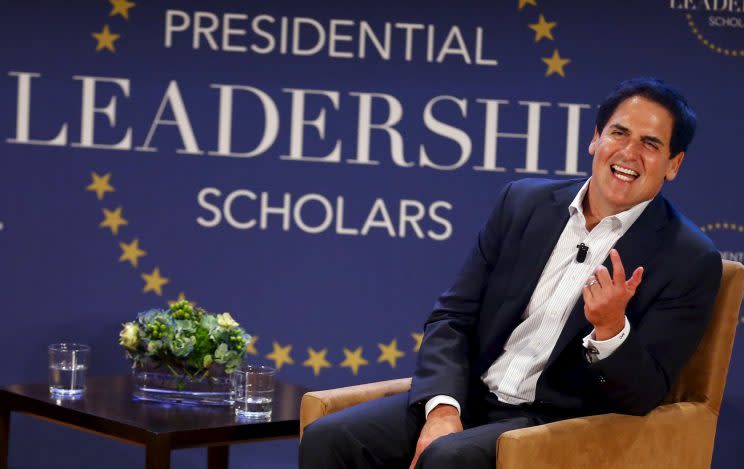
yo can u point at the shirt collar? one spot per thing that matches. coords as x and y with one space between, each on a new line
623 219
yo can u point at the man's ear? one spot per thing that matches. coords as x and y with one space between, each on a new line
674 164
593 144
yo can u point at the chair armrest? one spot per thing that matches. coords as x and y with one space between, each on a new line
316 404
676 436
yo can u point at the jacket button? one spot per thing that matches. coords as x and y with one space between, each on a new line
601 379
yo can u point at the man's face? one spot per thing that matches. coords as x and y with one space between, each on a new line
631 157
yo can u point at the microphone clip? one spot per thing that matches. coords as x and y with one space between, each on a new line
581 255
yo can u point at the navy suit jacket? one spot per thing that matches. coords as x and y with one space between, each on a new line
668 314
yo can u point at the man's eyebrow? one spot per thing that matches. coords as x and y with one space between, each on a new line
652 139
645 138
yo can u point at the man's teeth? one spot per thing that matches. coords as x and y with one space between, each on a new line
624 174
623 177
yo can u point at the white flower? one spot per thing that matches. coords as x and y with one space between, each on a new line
226 321
129 336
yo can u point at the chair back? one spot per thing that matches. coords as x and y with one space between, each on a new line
704 376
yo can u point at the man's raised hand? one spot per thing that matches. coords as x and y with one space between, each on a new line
605 297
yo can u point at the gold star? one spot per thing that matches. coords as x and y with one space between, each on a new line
121 7
522 3
181 297
353 360
131 252
556 64
105 39
113 220
154 282
418 337
250 347
280 355
100 185
316 360
543 28
390 353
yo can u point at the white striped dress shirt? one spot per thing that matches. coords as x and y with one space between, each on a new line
513 376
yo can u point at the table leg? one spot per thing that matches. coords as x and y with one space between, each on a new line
157 454
218 457
4 437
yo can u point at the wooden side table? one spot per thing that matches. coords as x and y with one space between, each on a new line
107 408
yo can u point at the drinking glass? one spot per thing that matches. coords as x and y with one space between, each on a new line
68 364
253 391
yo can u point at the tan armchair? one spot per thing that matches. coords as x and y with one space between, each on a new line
677 434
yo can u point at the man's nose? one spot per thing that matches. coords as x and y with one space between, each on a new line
632 148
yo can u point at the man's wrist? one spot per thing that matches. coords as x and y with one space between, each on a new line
440 399
443 410
601 349
608 332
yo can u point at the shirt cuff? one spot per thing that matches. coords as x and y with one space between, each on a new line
440 399
600 349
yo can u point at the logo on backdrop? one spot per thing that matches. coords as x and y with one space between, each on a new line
729 237
717 24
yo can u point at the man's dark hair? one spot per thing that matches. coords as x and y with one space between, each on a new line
655 90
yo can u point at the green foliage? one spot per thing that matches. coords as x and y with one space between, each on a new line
185 339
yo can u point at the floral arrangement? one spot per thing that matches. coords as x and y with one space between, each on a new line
186 340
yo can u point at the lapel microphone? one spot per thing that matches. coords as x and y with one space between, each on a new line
581 255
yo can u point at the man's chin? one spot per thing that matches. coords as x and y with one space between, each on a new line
620 202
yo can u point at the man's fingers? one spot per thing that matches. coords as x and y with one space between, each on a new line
635 280
618 271
603 276
420 447
415 460
586 292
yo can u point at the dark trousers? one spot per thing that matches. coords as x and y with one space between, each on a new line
383 434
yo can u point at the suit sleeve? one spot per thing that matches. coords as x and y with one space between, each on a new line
444 358
639 374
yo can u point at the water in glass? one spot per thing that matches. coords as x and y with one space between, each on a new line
66 380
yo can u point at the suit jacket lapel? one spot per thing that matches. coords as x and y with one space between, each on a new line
538 240
636 246
641 240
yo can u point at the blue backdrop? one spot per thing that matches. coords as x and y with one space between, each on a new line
319 171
